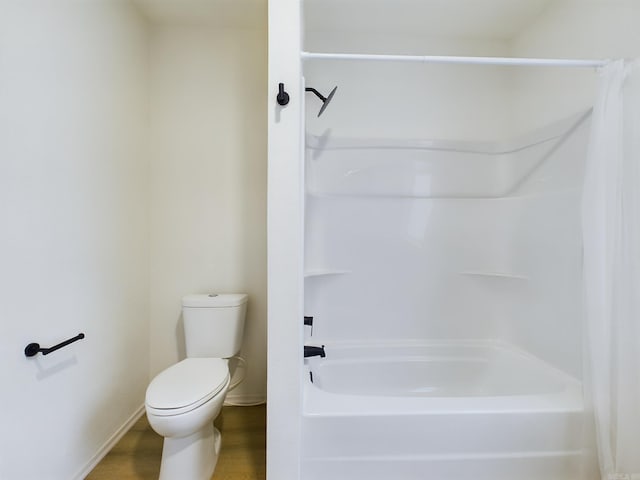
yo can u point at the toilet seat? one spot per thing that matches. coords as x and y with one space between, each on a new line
186 385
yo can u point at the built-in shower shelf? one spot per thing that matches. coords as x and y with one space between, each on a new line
502 275
324 272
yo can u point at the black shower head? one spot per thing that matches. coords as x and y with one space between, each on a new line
325 100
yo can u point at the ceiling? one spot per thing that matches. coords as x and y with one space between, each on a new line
217 13
487 19
490 19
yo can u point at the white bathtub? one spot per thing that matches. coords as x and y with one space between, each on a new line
440 411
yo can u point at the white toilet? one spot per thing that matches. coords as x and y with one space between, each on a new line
183 400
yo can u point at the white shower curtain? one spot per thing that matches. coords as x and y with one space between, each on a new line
611 231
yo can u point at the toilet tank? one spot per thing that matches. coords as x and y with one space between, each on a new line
214 324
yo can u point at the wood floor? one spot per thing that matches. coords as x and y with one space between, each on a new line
242 456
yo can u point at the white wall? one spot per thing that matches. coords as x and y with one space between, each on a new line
598 29
73 210
407 100
83 213
208 184
285 243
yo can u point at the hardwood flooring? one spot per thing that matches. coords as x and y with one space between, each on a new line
242 456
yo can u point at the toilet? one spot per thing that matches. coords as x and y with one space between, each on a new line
183 400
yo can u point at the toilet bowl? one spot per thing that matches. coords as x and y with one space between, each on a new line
181 404
182 401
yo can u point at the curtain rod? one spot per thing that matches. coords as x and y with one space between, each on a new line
515 62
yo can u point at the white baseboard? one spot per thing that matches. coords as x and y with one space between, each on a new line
110 443
245 399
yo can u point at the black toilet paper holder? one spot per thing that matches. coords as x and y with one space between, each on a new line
34 348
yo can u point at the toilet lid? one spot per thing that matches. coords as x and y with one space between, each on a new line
188 382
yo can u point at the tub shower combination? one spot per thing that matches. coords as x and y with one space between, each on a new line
460 410
434 274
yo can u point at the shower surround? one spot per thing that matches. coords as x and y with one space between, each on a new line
435 272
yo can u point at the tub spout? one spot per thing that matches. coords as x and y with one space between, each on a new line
314 351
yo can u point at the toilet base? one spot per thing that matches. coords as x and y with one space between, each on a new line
191 458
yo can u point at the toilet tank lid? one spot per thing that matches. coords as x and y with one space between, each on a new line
214 300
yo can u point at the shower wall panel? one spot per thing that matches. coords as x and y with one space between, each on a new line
393 268
546 248
430 240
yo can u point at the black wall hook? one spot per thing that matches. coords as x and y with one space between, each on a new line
283 97
34 348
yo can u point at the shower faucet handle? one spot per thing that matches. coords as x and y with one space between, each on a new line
308 322
311 351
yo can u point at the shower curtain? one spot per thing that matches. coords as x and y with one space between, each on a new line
611 235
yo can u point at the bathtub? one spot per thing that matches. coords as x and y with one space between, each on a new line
440 411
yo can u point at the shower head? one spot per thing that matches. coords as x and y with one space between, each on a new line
325 100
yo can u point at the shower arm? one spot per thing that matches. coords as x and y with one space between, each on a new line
317 93
325 100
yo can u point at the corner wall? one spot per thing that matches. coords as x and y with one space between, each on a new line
208 185
592 29
73 252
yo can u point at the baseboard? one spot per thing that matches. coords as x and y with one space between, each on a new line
245 399
110 443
